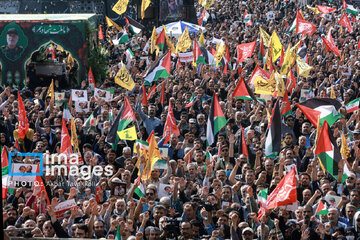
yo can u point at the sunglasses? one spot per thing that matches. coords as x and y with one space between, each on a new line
149 194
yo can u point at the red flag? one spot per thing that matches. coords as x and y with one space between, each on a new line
151 92
291 82
284 193
345 22
345 6
170 124
91 78
17 145
101 35
332 44
162 97
23 120
304 27
243 145
40 183
358 46
258 71
65 140
325 9
178 65
245 51
281 57
213 51
97 197
144 100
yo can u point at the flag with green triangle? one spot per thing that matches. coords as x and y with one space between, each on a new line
327 150
216 120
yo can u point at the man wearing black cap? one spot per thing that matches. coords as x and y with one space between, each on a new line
11 50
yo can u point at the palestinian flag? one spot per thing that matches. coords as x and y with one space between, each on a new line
203 17
160 41
216 121
159 69
327 150
4 172
287 109
129 55
133 25
89 121
242 91
350 8
326 108
292 27
243 149
352 106
273 133
262 51
140 190
66 113
122 120
210 157
144 99
192 100
247 18
202 55
321 209
123 37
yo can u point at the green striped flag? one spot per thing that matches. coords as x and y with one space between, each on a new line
216 121
140 190
118 235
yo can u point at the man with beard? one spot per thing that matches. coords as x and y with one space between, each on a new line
12 216
150 122
99 229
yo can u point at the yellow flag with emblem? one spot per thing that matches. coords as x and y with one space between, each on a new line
276 46
206 3
220 52
202 39
124 79
169 43
111 23
50 92
74 138
265 37
153 39
344 149
153 155
121 6
144 5
332 93
266 87
128 134
303 68
280 86
184 41
287 62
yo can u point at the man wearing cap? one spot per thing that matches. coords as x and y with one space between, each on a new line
11 50
248 234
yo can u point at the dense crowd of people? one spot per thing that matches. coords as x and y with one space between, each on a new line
197 197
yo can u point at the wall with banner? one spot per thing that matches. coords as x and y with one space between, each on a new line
23 35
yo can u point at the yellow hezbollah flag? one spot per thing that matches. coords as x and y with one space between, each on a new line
266 87
74 138
202 39
206 3
184 42
124 79
121 6
128 134
344 149
314 9
153 39
280 86
287 62
265 37
276 46
153 156
303 68
111 23
144 5
169 43
50 92
220 52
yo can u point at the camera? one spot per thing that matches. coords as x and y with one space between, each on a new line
172 228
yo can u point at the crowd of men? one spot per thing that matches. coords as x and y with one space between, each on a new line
203 198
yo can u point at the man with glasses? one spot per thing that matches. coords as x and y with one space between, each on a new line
248 234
